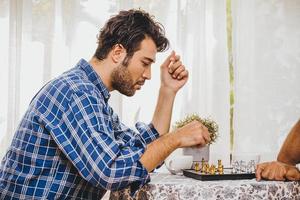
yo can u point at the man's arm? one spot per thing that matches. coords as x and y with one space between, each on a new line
290 150
191 134
162 116
173 77
289 155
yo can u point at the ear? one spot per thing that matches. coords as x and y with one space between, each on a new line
118 53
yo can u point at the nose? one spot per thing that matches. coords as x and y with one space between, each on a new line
147 73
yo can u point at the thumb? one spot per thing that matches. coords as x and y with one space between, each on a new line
293 174
168 60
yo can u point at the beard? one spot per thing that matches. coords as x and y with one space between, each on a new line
122 81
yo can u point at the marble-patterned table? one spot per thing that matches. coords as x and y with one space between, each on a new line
167 186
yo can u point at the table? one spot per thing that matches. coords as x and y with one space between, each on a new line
167 186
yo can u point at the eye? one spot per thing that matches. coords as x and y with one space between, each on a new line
145 64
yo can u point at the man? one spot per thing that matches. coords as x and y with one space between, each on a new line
71 145
285 166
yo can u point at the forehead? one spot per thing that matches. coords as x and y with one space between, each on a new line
147 49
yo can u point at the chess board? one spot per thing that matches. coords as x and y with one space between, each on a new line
209 177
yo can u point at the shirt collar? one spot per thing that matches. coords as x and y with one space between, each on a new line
94 78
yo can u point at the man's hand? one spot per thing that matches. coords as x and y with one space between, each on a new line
173 73
277 171
192 134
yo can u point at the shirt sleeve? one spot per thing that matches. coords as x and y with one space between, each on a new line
85 135
147 132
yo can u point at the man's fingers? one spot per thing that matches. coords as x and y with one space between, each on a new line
178 71
265 173
206 134
279 177
175 57
276 171
258 173
259 170
183 75
280 174
174 65
271 175
168 60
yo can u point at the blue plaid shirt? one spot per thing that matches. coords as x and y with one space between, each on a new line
71 145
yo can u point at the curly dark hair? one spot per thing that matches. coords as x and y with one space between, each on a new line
129 28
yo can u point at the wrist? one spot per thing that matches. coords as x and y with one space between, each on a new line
284 160
164 90
173 140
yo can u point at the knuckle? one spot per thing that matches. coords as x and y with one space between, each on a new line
194 123
197 122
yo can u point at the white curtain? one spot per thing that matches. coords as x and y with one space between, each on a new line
41 38
267 70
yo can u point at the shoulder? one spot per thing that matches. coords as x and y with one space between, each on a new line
76 81
60 91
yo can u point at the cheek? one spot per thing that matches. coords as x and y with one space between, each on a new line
136 72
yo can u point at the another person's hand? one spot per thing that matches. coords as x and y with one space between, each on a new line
192 134
293 174
173 73
277 171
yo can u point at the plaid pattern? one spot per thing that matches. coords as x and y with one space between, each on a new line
71 145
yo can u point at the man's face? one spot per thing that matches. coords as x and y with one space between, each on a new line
129 78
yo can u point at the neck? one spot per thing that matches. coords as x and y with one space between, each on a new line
104 69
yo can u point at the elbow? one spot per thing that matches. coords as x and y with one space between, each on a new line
112 180
120 178
106 178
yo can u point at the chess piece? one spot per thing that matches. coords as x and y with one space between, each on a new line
202 165
212 169
235 167
220 168
207 168
252 166
197 167
242 167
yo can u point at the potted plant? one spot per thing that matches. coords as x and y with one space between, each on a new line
213 128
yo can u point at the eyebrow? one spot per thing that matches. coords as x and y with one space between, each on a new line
149 59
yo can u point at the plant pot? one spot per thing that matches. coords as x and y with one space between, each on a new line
197 153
